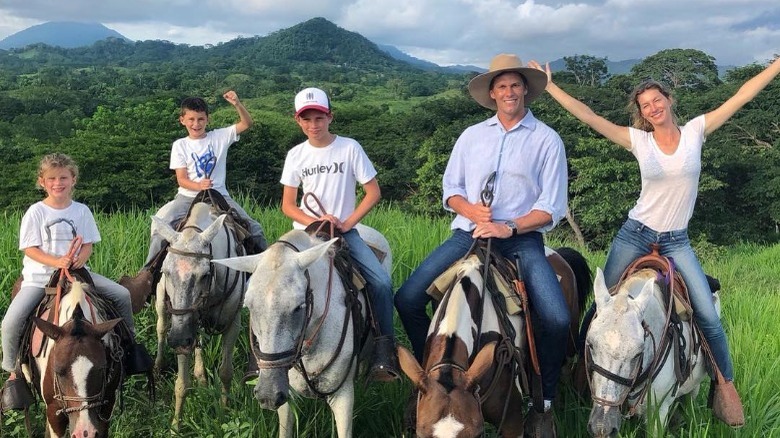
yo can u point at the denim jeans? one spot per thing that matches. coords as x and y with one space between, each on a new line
380 285
633 241
549 311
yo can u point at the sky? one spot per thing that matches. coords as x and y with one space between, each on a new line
446 32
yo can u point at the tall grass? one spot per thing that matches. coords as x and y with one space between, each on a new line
749 274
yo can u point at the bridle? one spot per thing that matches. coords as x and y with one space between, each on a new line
93 401
294 355
632 382
202 297
285 359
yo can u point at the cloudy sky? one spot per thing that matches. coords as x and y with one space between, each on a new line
735 32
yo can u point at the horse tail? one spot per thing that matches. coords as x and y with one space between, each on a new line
582 273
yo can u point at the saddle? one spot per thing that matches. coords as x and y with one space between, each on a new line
670 278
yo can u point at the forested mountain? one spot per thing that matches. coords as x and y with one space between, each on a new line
113 106
61 34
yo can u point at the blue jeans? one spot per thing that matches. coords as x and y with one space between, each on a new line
549 311
633 241
380 285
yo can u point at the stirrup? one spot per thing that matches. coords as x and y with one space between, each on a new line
16 395
137 360
384 364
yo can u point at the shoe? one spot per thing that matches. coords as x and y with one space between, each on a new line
252 371
137 360
16 395
725 403
384 364
540 424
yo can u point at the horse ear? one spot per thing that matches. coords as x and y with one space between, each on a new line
480 365
600 291
645 295
411 368
243 263
165 229
208 234
314 253
49 329
101 329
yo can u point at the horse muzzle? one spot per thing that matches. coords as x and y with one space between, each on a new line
604 421
272 388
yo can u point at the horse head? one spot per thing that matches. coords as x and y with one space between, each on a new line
617 347
80 376
456 368
448 404
188 274
281 303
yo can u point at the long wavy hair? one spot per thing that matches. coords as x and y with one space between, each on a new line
637 120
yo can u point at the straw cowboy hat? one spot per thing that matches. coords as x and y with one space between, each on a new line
479 87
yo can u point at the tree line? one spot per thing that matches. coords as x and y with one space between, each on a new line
113 106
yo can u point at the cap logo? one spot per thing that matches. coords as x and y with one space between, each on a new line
309 96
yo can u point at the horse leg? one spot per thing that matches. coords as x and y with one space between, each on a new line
199 368
182 383
226 368
342 403
159 306
286 421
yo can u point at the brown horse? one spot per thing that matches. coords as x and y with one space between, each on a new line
461 384
78 373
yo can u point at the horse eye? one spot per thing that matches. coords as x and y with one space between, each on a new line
299 308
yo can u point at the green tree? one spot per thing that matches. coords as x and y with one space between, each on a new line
684 69
587 70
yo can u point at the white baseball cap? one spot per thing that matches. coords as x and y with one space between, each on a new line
311 98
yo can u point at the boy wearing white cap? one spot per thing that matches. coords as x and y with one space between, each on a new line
330 166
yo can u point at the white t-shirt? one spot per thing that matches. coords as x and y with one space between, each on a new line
330 173
52 230
670 183
197 156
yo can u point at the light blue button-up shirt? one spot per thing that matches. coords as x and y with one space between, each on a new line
530 165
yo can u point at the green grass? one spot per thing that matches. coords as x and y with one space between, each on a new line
749 274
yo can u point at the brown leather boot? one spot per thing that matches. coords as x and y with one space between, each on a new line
725 403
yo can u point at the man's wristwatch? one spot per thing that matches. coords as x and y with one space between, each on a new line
512 226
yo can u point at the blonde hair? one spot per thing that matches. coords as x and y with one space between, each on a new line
57 160
637 120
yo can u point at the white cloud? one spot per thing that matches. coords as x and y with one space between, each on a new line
447 31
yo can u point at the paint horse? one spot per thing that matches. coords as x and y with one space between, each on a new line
631 349
460 385
79 371
306 328
194 294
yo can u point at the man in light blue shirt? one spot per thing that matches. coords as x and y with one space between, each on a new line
521 162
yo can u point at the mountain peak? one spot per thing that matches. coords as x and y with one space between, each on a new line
66 34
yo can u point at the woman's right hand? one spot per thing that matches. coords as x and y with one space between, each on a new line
536 65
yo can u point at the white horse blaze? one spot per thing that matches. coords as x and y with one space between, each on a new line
80 371
447 427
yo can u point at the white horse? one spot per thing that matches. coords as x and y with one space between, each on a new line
625 353
296 343
195 294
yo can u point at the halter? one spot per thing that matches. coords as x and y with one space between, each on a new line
196 306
